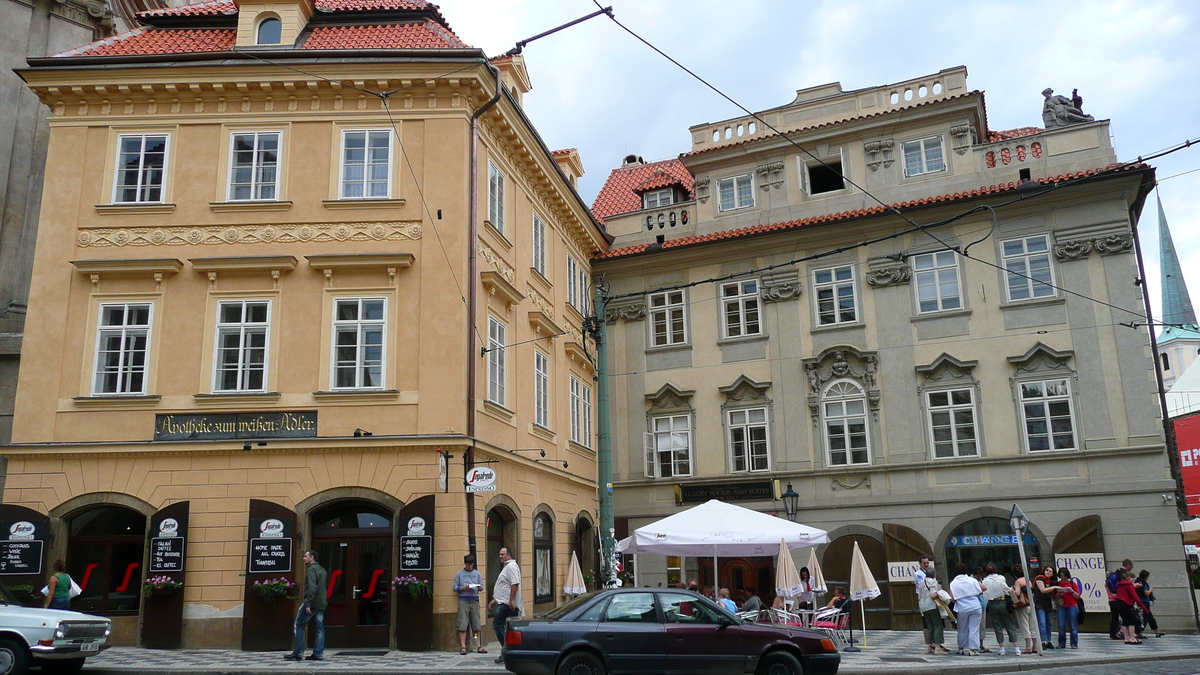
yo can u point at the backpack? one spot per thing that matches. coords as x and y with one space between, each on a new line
1110 582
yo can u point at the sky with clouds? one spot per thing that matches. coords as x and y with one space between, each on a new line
596 88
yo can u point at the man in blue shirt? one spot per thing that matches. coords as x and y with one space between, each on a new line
467 584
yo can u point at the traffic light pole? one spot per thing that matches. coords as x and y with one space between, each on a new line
608 544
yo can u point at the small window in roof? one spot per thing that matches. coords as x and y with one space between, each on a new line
270 31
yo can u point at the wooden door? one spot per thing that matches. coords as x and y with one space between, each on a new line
904 544
359 590
1081 536
836 566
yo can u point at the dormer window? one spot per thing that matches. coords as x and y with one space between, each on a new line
657 198
270 31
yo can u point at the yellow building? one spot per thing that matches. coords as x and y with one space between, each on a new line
299 266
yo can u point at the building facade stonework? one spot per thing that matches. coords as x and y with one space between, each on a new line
254 289
907 318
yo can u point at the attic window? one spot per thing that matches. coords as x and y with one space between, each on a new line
657 198
825 177
270 31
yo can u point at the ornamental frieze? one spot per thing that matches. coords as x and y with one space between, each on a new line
1072 250
247 234
539 301
1079 249
781 285
889 276
489 254
1117 243
631 309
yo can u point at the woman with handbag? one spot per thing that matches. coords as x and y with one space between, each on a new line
58 589
1068 612
1044 588
1023 610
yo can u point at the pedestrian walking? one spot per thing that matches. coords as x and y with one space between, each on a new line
467 583
506 596
1068 611
931 615
1023 610
1044 588
58 588
1127 601
312 609
1146 595
998 596
966 590
979 574
1110 587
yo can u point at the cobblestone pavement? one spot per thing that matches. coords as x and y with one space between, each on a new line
883 651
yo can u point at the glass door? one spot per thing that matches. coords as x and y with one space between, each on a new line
359 591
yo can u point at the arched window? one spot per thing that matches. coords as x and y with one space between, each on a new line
270 31
844 408
543 554
104 556
989 540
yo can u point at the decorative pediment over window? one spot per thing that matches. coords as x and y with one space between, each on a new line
746 390
842 362
668 398
1042 358
946 368
626 309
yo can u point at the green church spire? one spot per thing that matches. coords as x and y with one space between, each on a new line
1176 303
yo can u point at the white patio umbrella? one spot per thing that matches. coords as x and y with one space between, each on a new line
862 587
787 579
814 573
1191 531
574 585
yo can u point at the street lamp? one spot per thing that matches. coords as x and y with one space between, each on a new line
790 502
1020 525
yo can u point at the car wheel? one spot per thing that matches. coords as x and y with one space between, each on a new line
580 663
14 658
779 663
63 667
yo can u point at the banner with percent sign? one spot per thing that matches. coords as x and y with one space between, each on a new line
1089 569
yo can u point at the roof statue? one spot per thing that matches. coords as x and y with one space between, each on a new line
1176 303
1060 111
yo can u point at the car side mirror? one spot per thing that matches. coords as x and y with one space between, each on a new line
725 621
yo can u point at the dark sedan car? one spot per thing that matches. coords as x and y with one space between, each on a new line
643 630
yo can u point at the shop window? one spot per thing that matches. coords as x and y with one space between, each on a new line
104 554
989 540
543 559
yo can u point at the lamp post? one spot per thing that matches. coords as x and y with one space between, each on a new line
790 502
1020 525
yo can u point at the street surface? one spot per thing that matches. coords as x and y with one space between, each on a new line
884 652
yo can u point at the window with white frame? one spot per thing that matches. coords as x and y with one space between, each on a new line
1047 413
844 408
820 177
739 300
1027 268
141 169
735 192
952 423
496 368
833 289
937 281
270 31
581 413
496 197
366 164
657 198
669 446
749 444
359 327
254 166
241 363
923 156
578 283
122 348
668 319
539 245
541 389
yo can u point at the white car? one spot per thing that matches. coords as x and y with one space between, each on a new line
58 640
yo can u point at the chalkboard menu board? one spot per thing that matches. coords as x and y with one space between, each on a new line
168 541
22 546
166 554
416 553
271 545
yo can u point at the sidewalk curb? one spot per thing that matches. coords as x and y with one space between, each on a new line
957 667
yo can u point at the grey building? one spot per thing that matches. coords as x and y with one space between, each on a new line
909 319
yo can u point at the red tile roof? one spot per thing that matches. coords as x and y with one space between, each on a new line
849 215
822 125
225 7
660 179
156 41
1009 134
564 151
428 35
618 196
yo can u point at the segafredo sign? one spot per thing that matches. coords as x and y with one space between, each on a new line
22 530
481 479
271 528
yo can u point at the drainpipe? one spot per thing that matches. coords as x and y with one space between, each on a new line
473 299
1168 425
604 441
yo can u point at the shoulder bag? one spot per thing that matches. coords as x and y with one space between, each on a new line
1022 601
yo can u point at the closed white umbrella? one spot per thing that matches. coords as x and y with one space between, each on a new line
815 573
574 584
862 587
787 579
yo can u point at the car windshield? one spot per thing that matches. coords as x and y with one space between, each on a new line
6 596
569 606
